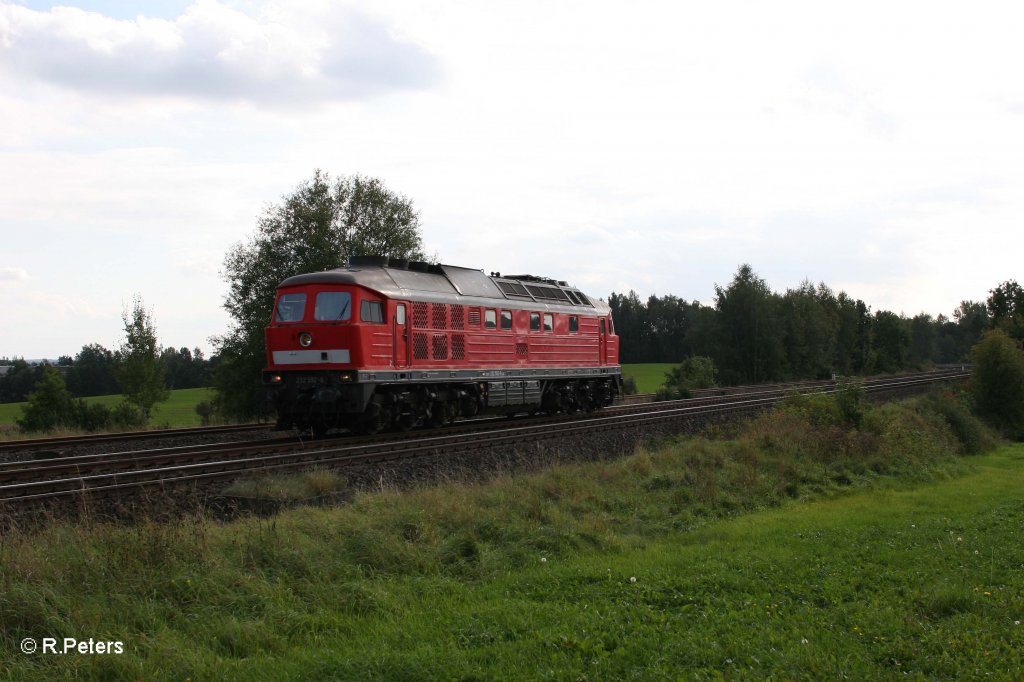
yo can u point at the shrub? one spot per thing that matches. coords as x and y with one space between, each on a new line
694 372
971 433
849 398
50 406
207 412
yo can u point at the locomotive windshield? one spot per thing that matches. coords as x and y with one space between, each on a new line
290 308
333 305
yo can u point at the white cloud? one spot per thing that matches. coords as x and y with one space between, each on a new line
216 52
13 275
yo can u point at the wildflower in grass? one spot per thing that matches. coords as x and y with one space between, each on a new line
959 539
1016 622
632 579
803 640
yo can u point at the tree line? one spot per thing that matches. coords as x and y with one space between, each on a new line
93 371
754 334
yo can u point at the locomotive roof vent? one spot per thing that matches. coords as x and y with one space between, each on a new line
419 266
367 261
398 263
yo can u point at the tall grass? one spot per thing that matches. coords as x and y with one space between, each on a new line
198 597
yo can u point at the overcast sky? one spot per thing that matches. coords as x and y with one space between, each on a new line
655 146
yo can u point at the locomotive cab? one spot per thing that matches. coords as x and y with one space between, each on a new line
317 336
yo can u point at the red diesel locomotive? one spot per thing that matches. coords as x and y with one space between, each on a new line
387 344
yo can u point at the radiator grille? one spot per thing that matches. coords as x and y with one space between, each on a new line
419 315
419 346
439 344
458 347
439 317
457 317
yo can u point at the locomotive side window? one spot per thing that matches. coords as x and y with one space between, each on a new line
574 324
333 305
506 319
371 311
490 319
290 308
602 326
400 314
549 322
534 322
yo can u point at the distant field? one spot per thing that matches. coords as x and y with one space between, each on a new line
649 376
179 410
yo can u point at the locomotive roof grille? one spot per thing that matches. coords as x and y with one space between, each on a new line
513 289
548 293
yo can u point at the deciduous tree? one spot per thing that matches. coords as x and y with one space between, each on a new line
316 227
140 372
1006 308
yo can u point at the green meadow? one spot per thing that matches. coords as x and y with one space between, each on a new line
649 376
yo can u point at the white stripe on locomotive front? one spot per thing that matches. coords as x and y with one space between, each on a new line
311 357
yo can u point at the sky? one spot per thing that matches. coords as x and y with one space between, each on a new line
655 146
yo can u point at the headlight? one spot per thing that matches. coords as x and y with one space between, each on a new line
275 378
305 339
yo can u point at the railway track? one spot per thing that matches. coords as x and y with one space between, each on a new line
29 444
25 483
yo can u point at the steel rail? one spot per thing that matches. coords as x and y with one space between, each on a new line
99 438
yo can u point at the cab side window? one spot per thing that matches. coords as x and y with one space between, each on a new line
574 324
371 311
549 322
534 322
506 319
490 319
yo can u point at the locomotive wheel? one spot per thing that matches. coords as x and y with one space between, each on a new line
436 418
405 421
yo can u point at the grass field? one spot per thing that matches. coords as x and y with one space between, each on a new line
649 376
179 410
785 552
